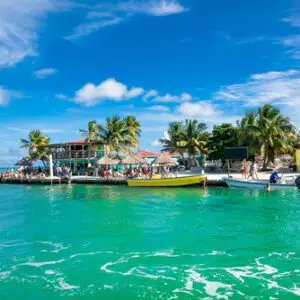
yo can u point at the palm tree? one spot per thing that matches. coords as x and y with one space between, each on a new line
223 136
246 137
273 133
90 135
187 137
116 135
37 145
134 127
175 135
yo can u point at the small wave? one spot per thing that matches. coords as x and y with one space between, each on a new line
65 286
57 246
44 263
106 286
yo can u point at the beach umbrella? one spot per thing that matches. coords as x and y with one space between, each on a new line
164 159
24 162
132 159
106 161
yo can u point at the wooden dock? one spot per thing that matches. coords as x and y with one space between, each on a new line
85 180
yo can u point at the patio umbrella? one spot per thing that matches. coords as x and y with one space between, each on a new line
132 159
24 162
106 161
164 160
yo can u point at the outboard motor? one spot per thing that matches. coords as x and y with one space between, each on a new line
297 181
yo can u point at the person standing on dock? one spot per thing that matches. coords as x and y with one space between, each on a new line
253 171
245 169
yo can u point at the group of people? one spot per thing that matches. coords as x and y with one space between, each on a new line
133 172
63 171
25 172
249 171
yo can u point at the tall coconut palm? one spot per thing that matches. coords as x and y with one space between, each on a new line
89 134
116 136
37 145
134 127
187 137
246 137
274 133
175 134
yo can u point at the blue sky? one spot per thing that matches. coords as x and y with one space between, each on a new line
64 62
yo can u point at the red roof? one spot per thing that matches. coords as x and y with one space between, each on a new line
83 141
146 154
172 153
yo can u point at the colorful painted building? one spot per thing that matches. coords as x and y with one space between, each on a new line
79 154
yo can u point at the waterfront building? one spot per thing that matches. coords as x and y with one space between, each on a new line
79 155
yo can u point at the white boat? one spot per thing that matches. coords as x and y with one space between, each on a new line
258 184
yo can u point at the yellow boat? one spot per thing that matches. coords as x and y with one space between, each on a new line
167 182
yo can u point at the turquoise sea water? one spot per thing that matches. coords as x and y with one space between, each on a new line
98 242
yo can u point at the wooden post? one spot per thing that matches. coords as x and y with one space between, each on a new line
228 168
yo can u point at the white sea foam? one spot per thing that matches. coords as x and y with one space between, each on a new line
211 287
5 274
57 247
50 272
214 252
106 286
44 263
65 286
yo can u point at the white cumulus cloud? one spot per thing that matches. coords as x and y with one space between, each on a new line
199 109
158 108
150 94
168 98
43 73
109 89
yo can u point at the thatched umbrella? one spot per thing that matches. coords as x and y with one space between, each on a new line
24 162
164 159
106 161
132 159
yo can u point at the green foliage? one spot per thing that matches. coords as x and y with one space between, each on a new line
187 137
270 134
118 135
37 145
224 135
90 134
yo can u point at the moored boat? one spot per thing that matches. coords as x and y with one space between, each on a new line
168 182
257 184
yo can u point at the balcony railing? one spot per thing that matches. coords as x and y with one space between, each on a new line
77 154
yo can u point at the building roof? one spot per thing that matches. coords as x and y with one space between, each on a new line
146 154
172 154
82 141
76 142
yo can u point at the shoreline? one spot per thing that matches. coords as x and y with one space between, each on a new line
213 179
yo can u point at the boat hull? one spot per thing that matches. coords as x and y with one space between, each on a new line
167 182
256 184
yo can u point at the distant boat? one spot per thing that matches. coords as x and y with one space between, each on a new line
168 182
257 184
